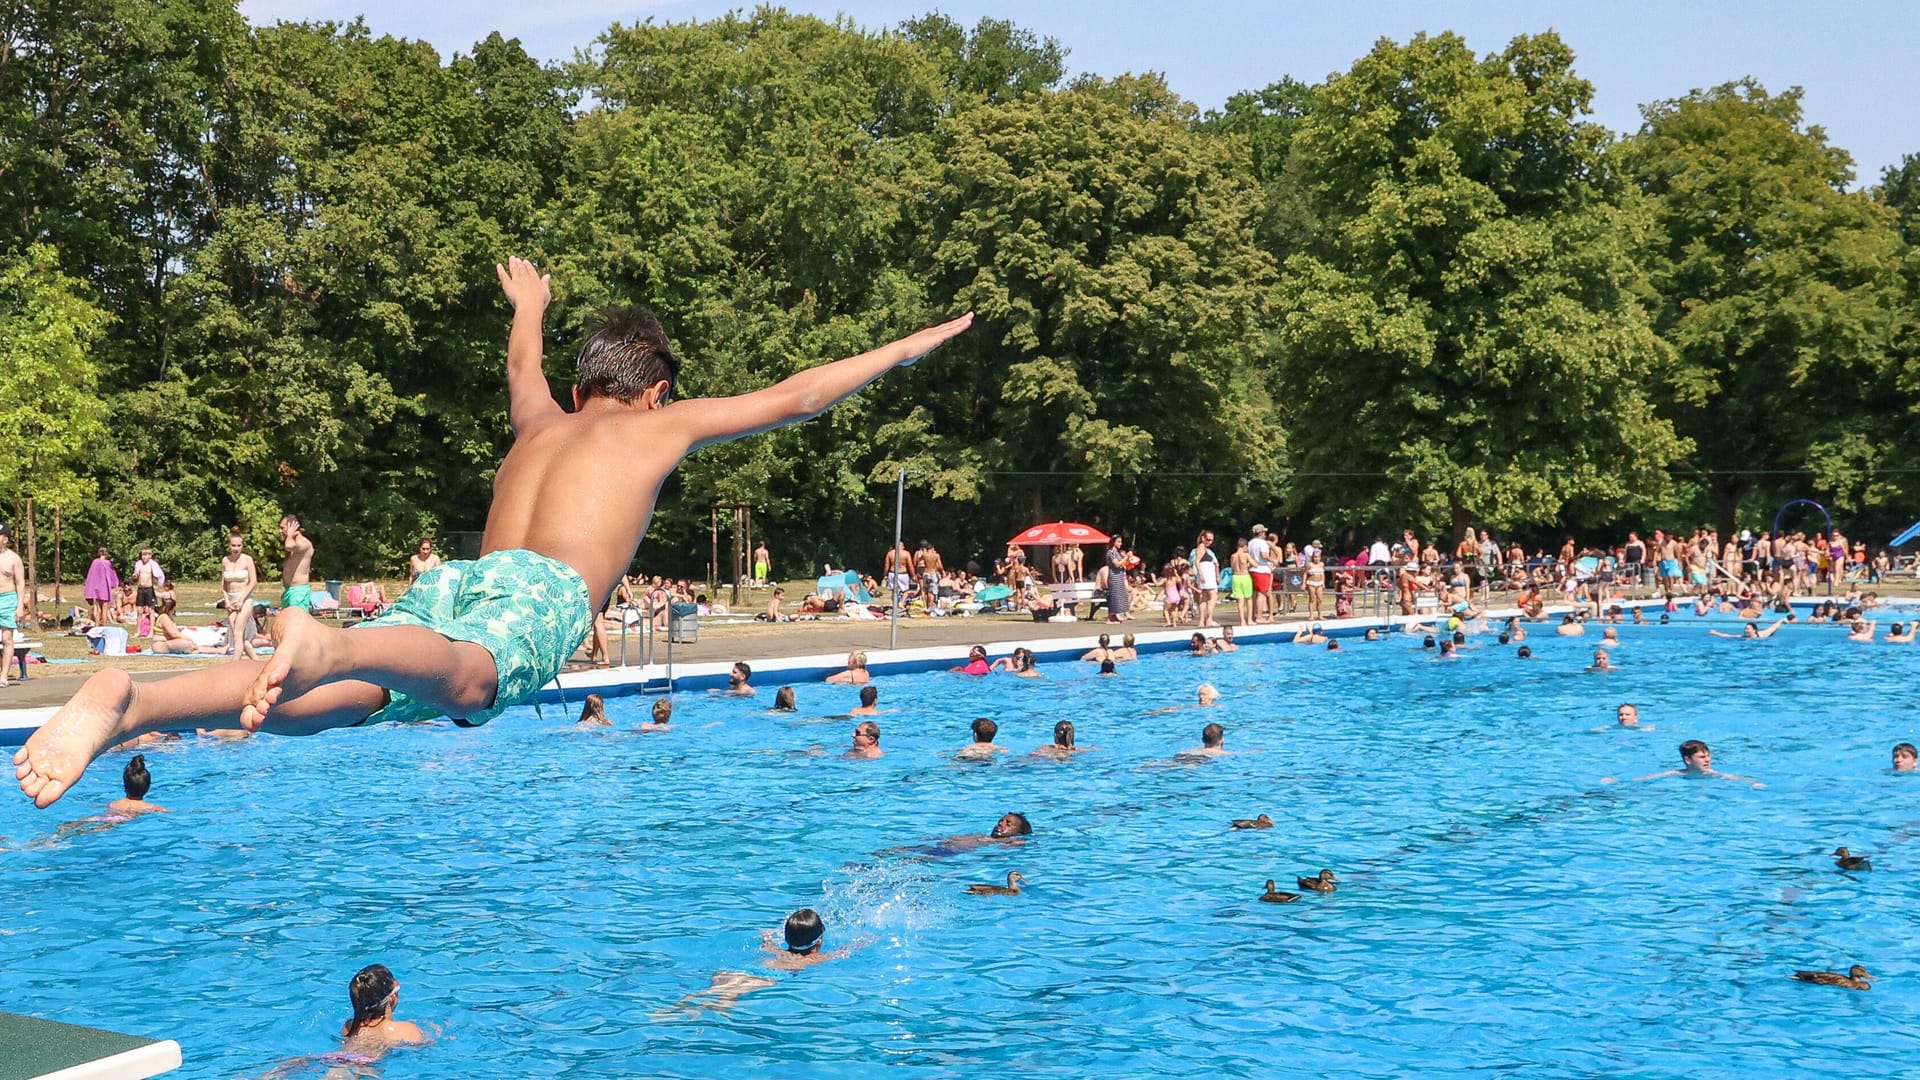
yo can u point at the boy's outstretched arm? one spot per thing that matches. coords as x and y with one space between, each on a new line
528 290
807 394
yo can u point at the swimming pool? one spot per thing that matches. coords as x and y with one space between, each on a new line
543 892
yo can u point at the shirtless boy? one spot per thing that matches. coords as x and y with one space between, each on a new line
13 608
296 587
571 503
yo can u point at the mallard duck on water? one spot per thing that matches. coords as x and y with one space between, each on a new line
1275 896
1011 888
1261 822
1846 860
1324 883
1856 978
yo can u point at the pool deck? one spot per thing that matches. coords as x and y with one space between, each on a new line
34 1049
806 652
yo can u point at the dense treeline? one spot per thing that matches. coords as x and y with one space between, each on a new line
245 270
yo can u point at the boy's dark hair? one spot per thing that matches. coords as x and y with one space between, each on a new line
1908 747
626 353
869 694
135 777
745 669
804 930
1691 747
984 730
1212 735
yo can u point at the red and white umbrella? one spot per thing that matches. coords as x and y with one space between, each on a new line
1059 533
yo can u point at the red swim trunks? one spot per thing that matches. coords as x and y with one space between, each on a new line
1262 580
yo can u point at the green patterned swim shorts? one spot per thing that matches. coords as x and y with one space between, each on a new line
529 611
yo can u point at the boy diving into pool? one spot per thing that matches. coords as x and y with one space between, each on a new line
571 503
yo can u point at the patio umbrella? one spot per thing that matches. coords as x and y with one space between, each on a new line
1060 533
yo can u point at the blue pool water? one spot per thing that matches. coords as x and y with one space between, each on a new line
544 892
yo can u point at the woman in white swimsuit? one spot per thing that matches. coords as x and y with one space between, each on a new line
238 578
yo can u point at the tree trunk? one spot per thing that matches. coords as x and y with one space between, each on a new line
1462 521
33 573
56 564
1727 493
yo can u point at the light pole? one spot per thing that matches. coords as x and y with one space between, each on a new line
899 508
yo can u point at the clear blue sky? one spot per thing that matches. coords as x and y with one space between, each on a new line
1854 58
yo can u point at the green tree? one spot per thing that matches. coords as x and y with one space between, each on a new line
1780 293
1467 315
51 415
1107 245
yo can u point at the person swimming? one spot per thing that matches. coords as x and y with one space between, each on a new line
375 996
661 716
1107 668
1905 757
869 702
866 741
593 712
797 948
1063 744
136 781
784 700
1213 743
982 747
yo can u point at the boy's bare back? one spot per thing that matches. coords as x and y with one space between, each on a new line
580 487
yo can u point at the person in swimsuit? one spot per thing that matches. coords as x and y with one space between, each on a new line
762 564
166 637
1316 580
1206 576
422 560
869 702
102 581
572 501
1241 590
866 741
593 712
856 673
375 995
296 586
136 781
1062 745
802 934
238 578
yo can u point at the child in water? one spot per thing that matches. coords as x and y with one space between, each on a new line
571 504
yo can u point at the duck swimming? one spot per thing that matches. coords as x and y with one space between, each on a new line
1856 978
1274 896
1261 822
1011 888
1845 860
1324 883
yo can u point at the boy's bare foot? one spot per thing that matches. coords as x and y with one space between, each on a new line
303 658
55 756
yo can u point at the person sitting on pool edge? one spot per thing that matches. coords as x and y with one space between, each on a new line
866 741
593 712
1698 763
572 501
1905 757
869 702
982 747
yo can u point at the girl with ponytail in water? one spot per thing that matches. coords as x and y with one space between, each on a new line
373 1031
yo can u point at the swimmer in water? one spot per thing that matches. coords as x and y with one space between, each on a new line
1752 631
1225 642
136 781
1020 662
1198 644
856 673
869 702
1628 716
1447 651
797 948
1900 634
1610 637
976 662
1205 695
1126 651
1213 740
1697 760
1309 635
593 712
1905 757
1102 651
1012 829
661 717
1373 633
1525 652
375 995
1862 630
1601 661
784 700
1569 626
866 741
738 684
1333 646
982 747
1062 745
1107 668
